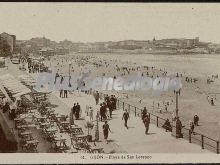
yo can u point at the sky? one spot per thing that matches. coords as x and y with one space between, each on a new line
90 22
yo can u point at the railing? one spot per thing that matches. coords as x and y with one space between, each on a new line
204 141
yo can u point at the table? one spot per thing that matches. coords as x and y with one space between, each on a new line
41 117
65 124
80 141
26 133
34 141
51 130
20 127
18 118
74 126
51 110
18 121
97 150
76 131
59 139
32 145
43 125
81 136
62 145
32 110
60 116
72 150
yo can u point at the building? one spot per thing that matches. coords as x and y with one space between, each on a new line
61 51
46 51
10 39
92 47
178 43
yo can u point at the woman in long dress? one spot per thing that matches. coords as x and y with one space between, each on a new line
71 118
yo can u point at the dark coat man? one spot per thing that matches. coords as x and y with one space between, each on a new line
144 114
106 129
101 112
97 97
196 120
77 111
125 117
179 127
146 123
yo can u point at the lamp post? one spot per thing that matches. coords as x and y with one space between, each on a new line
174 129
97 130
177 92
69 73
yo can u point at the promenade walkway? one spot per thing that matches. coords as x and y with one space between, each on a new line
133 139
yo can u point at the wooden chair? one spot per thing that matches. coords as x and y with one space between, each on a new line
60 145
31 145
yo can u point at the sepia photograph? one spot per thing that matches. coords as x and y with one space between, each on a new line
109 82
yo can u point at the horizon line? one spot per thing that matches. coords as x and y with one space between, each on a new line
111 40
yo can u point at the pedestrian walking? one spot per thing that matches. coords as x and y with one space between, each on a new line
101 112
146 123
77 111
212 102
196 120
144 113
125 117
191 126
91 113
106 129
97 97
98 115
65 93
166 108
179 127
111 108
104 110
61 93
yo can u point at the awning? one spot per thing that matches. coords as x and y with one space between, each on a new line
20 94
15 87
2 94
